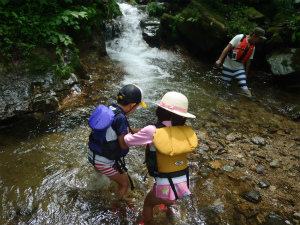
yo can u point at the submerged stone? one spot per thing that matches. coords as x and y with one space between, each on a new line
252 196
264 184
228 168
273 219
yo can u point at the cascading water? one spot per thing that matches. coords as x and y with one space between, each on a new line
155 71
45 177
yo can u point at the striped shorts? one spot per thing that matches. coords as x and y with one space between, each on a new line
240 75
103 165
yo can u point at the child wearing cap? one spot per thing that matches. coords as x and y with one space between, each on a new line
169 140
129 98
238 52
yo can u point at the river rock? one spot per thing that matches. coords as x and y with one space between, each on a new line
252 196
296 215
260 169
273 219
204 172
234 136
228 168
275 163
149 31
44 102
284 61
214 165
264 184
258 140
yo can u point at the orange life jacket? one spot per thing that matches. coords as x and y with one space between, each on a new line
242 52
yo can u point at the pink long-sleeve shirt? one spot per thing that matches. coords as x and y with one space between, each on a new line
144 136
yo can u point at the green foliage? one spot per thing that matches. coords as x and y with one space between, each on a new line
295 27
191 15
280 5
155 9
27 24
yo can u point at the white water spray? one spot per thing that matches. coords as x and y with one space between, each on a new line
147 67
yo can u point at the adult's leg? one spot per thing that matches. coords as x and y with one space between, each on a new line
227 75
242 81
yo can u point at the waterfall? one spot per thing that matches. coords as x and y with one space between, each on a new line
147 67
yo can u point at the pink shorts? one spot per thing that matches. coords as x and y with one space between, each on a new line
165 191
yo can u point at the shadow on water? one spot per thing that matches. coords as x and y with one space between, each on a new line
45 177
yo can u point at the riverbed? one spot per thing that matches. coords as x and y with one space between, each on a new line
245 146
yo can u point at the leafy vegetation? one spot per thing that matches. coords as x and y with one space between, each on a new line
28 24
155 9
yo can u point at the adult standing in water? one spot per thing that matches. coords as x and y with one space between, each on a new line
238 54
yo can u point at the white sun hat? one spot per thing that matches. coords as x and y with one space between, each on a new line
175 102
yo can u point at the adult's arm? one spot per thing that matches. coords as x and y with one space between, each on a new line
223 55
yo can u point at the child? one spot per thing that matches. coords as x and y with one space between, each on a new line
107 148
166 153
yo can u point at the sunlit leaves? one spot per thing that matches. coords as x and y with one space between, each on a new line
44 22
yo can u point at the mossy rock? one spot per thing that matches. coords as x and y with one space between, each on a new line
254 15
275 42
202 27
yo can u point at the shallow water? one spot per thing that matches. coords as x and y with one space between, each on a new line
45 177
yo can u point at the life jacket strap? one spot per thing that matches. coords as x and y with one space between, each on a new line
176 174
121 166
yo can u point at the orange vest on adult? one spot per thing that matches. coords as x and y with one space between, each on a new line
242 52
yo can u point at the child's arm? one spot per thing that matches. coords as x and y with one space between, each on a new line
135 130
122 143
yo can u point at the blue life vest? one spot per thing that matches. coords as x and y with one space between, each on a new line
100 120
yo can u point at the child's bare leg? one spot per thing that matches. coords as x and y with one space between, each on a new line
123 183
150 201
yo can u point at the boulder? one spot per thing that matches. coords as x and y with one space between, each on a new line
149 31
284 61
202 27
253 15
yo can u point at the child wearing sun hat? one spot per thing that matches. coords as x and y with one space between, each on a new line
167 144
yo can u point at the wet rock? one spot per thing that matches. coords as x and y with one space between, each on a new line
44 102
272 188
264 184
228 168
235 179
296 215
275 163
213 146
204 172
234 136
202 134
284 61
260 169
273 219
245 211
149 31
280 132
214 165
239 163
252 196
258 140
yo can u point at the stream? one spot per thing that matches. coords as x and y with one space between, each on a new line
45 177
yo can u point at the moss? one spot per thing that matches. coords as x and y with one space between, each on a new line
252 13
296 59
